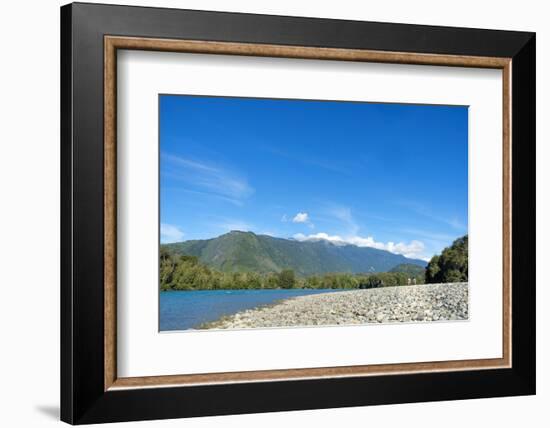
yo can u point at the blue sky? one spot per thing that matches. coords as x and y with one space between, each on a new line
390 176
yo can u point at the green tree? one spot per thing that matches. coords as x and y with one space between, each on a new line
451 265
287 278
183 272
432 270
312 282
271 281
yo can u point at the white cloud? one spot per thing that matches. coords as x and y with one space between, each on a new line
170 233
335 239
301 218
239 225
414 249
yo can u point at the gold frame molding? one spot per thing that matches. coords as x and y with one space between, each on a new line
113 43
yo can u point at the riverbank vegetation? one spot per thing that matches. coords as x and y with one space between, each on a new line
184 272
451 265
181 272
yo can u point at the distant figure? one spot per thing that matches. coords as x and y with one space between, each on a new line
408 281
414 281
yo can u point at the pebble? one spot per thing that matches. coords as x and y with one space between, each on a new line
414 303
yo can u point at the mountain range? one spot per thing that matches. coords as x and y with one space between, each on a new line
239 251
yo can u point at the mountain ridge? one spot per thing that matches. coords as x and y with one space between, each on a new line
240 251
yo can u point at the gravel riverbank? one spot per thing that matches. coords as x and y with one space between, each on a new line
415 303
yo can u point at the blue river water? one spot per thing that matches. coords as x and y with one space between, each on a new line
182 310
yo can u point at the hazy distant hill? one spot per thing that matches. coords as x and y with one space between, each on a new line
409 268
245 251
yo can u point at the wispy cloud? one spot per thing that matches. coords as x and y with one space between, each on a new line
425 211
414 249
228 225
233 201
344 215
311 161
455 223
268 233
445 238
170 233
207 178
435 241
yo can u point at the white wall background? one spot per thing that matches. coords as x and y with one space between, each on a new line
29 216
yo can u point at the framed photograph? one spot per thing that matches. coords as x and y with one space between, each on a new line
266 213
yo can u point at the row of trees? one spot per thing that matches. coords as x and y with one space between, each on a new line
179 272
451 265
187 273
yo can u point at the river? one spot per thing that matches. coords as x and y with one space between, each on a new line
183 310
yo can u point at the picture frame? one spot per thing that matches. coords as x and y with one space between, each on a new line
91 391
